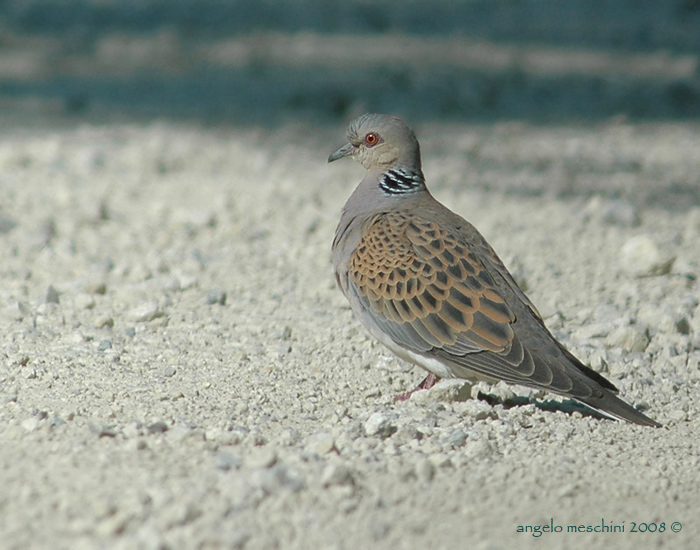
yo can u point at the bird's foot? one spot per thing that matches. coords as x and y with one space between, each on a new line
426 384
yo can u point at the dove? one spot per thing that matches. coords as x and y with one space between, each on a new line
427 285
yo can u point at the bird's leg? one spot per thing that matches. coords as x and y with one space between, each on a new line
426 384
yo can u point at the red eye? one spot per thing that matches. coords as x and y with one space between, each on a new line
371 139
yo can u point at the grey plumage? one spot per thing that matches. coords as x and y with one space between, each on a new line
427 285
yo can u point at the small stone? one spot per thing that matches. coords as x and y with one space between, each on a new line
158 427
171 284
445 391
169 371
641 257
182 513
263 457
627 338
406 433
694 322
104 321
113 524
132 430
227 461
272 480
56 421
30 424
136 444
380 530
104 345
95 288
84 301
186 434
617 367
288 438
228 438
24 310
379 425
612 212
682 325
148 311
663 319
425 470
102 430
440 460
568 490
47 231
593 330
479 449
216 297
598 360
337 473
50 296
196 218
7 225
321 443
457 438
213 434
187 281
284 349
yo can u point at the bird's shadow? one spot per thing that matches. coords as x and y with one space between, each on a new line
569 406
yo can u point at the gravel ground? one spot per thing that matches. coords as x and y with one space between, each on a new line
177 369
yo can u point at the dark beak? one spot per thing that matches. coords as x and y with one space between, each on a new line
344 151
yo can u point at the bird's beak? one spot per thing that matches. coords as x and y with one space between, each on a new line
344 151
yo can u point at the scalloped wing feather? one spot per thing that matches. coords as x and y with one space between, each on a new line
427 289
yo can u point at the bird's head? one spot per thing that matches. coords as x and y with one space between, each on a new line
380 142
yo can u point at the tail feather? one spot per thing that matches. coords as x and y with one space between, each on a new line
614 407
609 404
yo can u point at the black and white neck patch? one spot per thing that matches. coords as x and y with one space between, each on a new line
398 181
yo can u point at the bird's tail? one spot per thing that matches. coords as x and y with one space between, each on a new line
611 405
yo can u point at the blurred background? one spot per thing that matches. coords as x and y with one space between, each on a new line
265 62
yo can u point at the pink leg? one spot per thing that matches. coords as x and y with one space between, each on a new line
426 384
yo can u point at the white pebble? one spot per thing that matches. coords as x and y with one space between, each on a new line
612 212
337 474
321 443
30 424
263 457
425 470
227 461
628 338
663 319
379 425
445 391
104 321
145 312
84 301
50 296
440 460
641 257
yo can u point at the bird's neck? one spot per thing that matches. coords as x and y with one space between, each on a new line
398 181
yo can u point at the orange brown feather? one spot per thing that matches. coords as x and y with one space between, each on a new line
413 272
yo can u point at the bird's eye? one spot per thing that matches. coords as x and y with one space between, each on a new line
371 139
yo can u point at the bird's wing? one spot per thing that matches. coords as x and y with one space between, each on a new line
429 289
